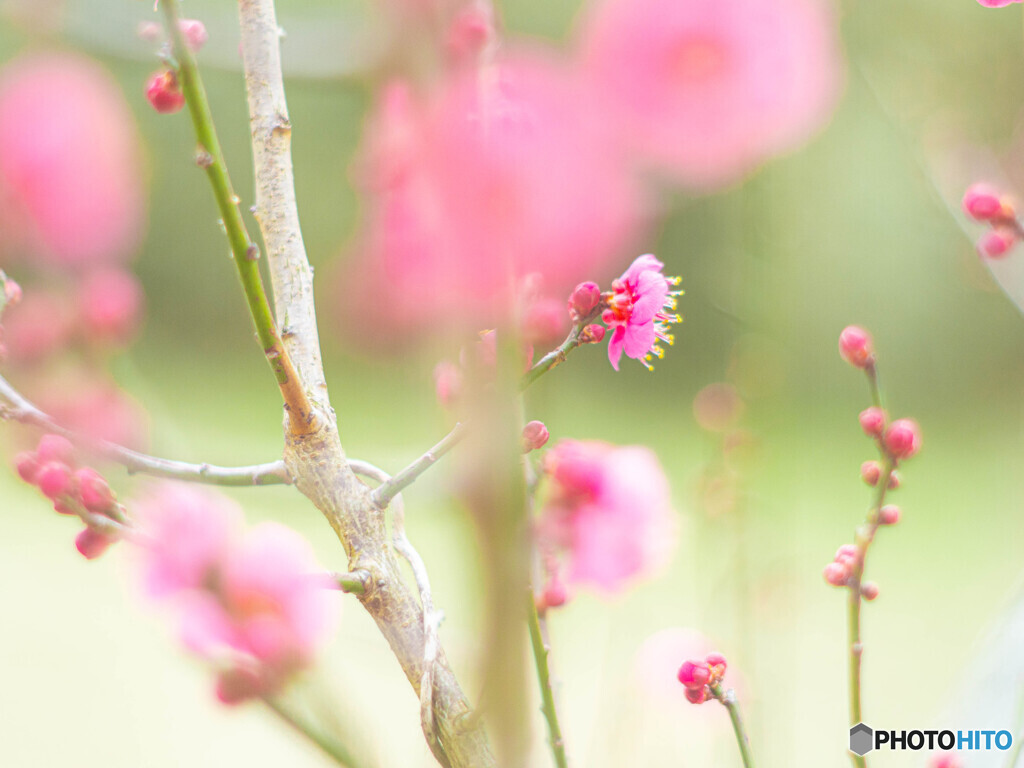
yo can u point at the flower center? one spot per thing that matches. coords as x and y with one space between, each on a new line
698 59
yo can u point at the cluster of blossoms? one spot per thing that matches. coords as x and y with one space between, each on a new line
248 601
163 91
542 160
606 516
81 491
897 441
72 214
702 678
985 204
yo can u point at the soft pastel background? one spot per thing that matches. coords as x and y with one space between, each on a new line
853 229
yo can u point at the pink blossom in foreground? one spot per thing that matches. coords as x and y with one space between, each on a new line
70 187
248 601
706 89
997 3
479 184
607 511
110 304
639 312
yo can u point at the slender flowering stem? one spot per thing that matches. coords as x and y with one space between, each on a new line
302 418
20 409
329 746
558 355
728 699
541 652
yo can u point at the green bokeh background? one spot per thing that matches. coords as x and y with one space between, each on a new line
854 228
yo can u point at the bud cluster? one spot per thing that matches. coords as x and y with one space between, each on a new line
74 490
986 204
702 677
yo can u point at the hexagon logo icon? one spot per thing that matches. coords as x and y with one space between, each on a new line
862 739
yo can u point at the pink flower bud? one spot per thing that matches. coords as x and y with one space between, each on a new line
555 594
848 553
55 448
694 674
93 490
194 32
91 544
696 695
27 466
163 92
894 480
63 508
996 4
872 421
149 31
545 322
447 383
869 590
836 574
592 334
903 438
870 472
996 242
855 346
110 302
583 299
54 479
981 202
716 660
889 515
535 435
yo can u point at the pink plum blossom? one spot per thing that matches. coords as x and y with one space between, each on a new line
706 89
70 187
608 511
638 312
997 3
480 183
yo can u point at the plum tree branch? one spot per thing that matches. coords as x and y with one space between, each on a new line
22 410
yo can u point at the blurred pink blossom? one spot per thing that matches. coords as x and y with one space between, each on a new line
110 304
704 90
639 312
608 511
492 177
70 160
41 324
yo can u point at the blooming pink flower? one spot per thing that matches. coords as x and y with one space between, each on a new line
69 161
706 89
481 183
638 312
608 511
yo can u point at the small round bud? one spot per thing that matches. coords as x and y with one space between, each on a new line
27 466
872 421
902 438
889 515
91 543
535 435
54 480
981 202
63 508
194 32
55 448
555 594
869 590
716 660
583 299
93 490
855 346
694 674
870 471
592 334
836 574
163 92
848 553
697 695
996 243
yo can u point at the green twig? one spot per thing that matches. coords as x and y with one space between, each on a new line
244 251
728 699
541 651
337 752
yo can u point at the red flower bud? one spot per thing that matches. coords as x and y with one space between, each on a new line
869 590
27 466
91 543
837 574
981 202
694 674
697 695
855 346
903 438
583 299
889 515
163 92
996 242
592 334
54 480
55 448
872 421
93 490
870 471
535 435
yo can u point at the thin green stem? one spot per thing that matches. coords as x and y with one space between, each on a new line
244 251
301 725
728 700
876 391
541 651
559 353
385 492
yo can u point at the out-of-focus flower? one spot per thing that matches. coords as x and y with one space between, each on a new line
98 408
545 322
249 602
902 439
38 326
706 89
164 92
70 187
607 511
997 3
639 312
110 303
194 32
473 187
